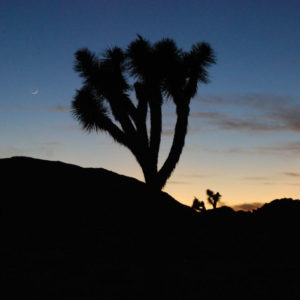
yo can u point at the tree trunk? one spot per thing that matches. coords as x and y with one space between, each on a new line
143 156
150 175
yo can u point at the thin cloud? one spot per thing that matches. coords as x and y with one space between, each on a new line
292 174
177 182
270 183
170 132
248 206
259 180
252 112
195 176
287 148
28 108
247 125
207 115
52 143
167 132
242 123
255 178
264 101
235 150
290 117
70 127
255 122
60 108
291 148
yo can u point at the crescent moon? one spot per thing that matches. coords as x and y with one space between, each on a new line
35 92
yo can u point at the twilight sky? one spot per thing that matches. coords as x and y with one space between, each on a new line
244 130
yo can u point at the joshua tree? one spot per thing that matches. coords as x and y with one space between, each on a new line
155 72
213 198
198 206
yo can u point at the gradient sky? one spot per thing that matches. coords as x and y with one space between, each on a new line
244 130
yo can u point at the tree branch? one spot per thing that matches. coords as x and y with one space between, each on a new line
182 111
156 126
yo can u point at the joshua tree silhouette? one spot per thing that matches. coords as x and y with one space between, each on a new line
156 72
198 206
213 198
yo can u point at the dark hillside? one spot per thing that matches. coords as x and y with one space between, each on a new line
79 233
70 226
40 188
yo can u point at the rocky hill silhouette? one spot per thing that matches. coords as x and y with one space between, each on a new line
81 233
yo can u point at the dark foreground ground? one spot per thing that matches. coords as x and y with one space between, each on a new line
74 233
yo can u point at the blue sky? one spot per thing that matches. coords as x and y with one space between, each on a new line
244 137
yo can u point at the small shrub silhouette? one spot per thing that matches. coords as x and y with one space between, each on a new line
155 72
213 198
198 206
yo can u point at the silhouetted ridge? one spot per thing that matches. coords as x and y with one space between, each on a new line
284 206
48 190
81 233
